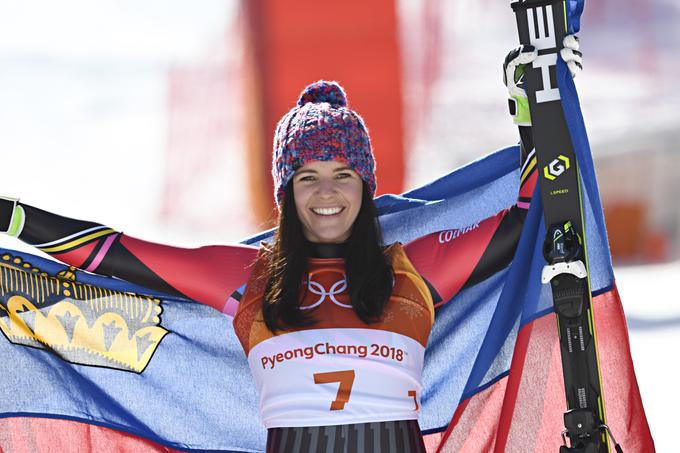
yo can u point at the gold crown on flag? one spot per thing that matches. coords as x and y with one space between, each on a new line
80 323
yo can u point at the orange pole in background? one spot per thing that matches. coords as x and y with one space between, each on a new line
295 43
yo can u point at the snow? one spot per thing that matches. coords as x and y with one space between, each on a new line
650 300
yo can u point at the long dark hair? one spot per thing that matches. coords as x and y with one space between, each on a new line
368 270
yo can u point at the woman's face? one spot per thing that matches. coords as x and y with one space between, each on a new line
327 200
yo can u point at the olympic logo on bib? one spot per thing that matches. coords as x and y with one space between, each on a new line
317 288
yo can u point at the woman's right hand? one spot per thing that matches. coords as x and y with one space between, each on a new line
205 274
11 216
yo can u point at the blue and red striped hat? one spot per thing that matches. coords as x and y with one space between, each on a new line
321 127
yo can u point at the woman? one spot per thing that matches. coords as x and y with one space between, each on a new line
333 323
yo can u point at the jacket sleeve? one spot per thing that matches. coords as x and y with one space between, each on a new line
451 260
208 274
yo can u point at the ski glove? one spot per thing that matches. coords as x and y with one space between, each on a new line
11 216
513 75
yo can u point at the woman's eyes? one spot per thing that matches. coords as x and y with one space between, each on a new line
342 175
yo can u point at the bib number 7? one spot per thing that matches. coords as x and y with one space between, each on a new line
346 380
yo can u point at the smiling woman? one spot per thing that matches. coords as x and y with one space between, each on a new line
324 185
327 200
329 246
328 213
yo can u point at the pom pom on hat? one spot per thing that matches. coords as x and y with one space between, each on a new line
321 127
323 91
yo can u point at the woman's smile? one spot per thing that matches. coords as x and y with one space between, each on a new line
326 212
327 200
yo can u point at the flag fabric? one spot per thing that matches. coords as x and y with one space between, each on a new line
178 378
492 373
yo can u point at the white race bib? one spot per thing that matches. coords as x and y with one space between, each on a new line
337 376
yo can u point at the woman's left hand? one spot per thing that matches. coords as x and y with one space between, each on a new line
513 74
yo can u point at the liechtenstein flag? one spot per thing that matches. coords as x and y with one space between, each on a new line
176 378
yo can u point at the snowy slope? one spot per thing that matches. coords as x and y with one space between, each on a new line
652 306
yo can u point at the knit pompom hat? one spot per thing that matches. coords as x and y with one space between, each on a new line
321 127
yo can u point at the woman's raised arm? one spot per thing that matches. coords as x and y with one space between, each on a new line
454 259
206 274
451 260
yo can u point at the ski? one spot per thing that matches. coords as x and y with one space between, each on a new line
543 24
